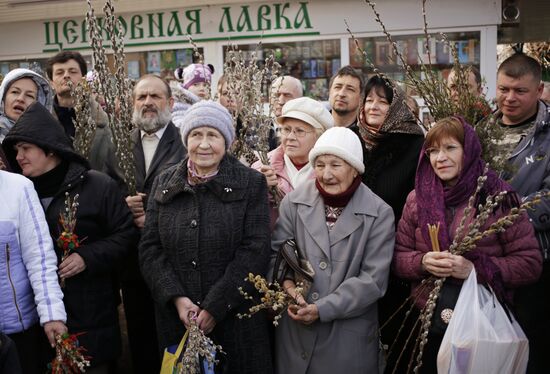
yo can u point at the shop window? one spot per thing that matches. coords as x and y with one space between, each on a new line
413 49
313 62
162 63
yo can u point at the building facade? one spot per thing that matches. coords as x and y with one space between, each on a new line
308 38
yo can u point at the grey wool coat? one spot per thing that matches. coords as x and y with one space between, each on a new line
201 242
352 264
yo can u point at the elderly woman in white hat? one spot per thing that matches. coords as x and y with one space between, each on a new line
302 121
346 233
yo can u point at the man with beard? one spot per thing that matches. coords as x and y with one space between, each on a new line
157 146
345 89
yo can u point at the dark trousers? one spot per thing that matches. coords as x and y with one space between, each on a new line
9 359
532 313
429 356
142 332
33 350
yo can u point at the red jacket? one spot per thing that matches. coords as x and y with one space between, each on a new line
515 251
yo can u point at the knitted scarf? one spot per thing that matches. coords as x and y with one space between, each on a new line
342 199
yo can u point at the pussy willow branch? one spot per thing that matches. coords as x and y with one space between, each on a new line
198 345
426 33
84 121
116 89
245 84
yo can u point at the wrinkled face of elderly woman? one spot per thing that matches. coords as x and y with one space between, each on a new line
297 139
446 157
334 174
21 93
206 147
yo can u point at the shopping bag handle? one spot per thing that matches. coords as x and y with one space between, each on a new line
182 344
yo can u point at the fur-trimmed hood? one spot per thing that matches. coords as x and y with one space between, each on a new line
44 97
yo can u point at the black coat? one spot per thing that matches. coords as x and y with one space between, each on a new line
201 242
104 227
4 159
107 233
390 168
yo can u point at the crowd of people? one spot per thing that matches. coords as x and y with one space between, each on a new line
358 180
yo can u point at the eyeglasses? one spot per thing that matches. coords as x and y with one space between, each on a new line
298 132
449 149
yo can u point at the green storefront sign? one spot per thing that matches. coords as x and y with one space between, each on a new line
202 24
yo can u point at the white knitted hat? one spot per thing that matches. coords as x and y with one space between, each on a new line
340 142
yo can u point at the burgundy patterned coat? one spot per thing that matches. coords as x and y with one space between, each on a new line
515 252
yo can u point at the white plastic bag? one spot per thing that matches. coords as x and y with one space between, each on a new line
480 337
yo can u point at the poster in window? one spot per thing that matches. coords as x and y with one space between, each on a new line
442 53
424 52
313 68
401 46
335 66
327 47
306 69
412 52
133 69
153 62
168 59
384 54
462 51
356 57
321 68
317 49
184 57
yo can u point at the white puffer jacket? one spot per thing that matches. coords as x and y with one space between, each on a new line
29 288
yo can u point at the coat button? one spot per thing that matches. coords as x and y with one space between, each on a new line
193 224
194 264
314 296
323 265
304 356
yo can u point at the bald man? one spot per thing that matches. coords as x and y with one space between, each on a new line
284 89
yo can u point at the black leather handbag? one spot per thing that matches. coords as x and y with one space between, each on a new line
290 264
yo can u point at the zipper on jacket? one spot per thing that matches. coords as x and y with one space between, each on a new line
19 315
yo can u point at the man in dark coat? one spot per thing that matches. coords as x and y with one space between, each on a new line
157 146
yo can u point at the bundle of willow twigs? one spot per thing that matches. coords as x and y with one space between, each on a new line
115 88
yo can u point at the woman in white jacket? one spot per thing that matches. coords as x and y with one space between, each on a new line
30 295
